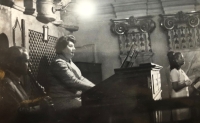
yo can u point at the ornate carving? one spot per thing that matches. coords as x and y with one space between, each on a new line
183 30
173 20
147 25
17 27
121 26
169 23
193 21
134 32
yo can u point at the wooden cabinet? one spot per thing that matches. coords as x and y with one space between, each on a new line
125 96
132 84
91 71
146 77
156 84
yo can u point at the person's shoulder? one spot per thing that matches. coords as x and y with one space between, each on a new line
173 71
5 80
57 60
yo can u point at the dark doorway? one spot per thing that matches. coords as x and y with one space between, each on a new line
4 44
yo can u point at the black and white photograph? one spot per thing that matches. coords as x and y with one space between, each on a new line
99 61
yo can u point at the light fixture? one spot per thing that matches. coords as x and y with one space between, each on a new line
84 8
45 33
44 11
63 7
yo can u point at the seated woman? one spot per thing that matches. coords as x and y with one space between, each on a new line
14 103
67 82
181 84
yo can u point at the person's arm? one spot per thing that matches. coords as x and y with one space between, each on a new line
38 105
60 70
87 81
176 84
195 83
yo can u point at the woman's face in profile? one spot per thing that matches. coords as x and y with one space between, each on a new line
180 60
69 50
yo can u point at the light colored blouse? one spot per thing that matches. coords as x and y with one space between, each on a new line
181 77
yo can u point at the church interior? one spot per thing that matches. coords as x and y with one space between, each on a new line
121 46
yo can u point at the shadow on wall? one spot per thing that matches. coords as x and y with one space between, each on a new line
9 3
86 53
43 73
4 44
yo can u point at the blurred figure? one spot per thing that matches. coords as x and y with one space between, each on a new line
14 103
16 64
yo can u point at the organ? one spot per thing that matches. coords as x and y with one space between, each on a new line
124 93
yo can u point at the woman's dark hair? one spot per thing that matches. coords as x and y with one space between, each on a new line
63 42
172 56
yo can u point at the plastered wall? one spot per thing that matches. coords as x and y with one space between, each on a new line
32 24
10 15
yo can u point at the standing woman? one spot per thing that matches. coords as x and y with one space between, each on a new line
181 84
67 82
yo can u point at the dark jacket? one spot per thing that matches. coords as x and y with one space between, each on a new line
12 94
